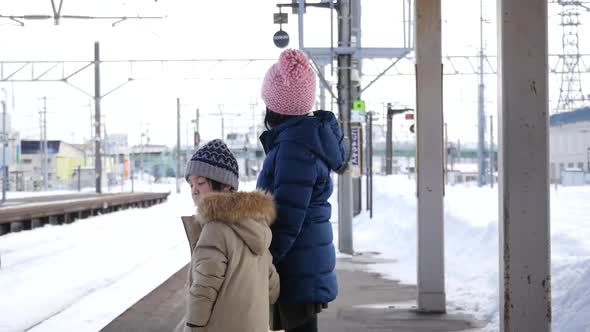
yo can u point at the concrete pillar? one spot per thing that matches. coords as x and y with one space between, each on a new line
67 218
36 223
16 226
4 229
429 142
525 288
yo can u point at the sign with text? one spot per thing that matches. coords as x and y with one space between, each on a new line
281 39
356 148
280 18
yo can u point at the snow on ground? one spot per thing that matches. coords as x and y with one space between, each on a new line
146 185
83 275
23 194
90 271
471 247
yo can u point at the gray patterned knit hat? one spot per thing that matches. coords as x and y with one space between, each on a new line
214 161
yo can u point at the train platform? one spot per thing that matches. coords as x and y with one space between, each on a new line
366 302
44 199
32 212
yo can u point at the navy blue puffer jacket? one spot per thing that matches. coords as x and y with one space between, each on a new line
300 153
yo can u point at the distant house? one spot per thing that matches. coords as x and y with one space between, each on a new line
572 177
461 173
62 159
156 160
569 143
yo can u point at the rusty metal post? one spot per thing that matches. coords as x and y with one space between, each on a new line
525 269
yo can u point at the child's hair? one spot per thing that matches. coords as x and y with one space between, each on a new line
273 119
216 185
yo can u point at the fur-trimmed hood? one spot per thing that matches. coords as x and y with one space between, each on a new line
249 214
235 207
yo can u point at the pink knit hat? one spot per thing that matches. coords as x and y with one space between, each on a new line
289 85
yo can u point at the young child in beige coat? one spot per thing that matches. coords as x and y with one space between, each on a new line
231 278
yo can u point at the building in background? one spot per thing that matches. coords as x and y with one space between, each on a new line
570 147
63 161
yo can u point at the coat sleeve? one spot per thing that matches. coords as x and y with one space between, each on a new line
208 267
274 284
295 175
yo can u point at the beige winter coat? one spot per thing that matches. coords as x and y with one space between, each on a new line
231 279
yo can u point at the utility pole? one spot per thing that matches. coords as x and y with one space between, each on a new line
198 119
105 151
345 244
196 134
446 153
91 129
97 99
389 142
492 151
369 162
322 69
253 106
43 143
4 144
220 107
45 149
178 145
187 135
41 153
389 139
481 126
141 149
79 179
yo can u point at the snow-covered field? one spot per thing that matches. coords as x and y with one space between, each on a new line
79 277
471 247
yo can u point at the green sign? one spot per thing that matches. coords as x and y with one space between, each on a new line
358 105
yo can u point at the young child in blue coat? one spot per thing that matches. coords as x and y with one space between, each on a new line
302 148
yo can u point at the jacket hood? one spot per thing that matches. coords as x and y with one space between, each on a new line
319 133
249 214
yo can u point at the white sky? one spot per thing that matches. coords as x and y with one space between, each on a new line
215 29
